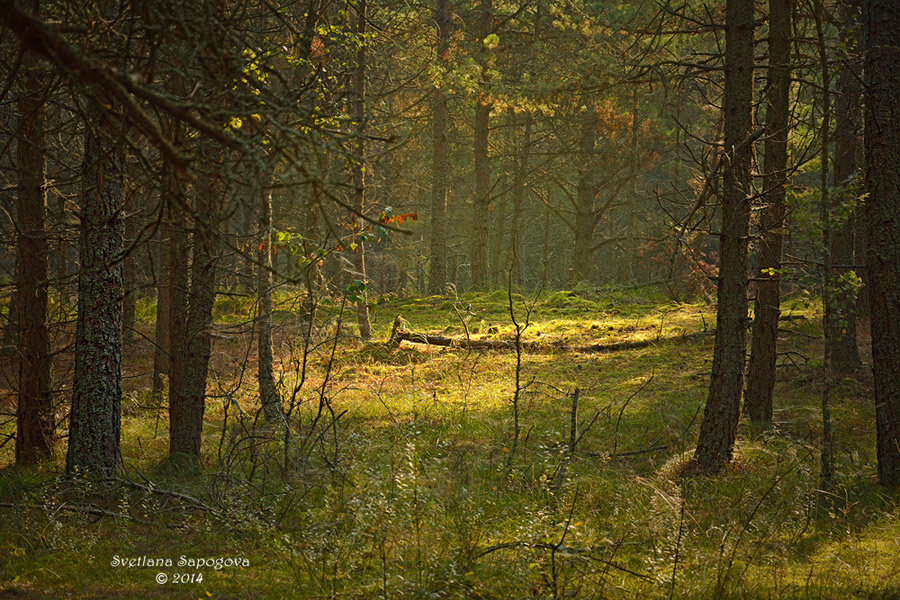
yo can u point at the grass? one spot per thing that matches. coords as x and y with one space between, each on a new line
398 479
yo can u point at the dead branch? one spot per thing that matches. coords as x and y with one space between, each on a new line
399 334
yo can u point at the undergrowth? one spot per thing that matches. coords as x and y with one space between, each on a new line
398 477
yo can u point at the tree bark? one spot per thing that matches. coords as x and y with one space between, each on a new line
515 229
843 349
359 176
312 243
34 413
437 274
162 354
723 405
582 243
761 372
481 267
882 139
95 417
268 391
129 266
187 400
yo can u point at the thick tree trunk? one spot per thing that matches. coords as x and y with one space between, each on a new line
268 391
882 135
437 273
481 267
95 418
843 350
723 406
34 413
582 243
761 372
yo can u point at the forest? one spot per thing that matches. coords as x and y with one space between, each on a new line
455 299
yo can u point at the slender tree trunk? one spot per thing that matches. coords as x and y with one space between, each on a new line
95 418
359 176
481 267
162 336
761 372
268 391
723 406
179 251
498 234
129 269
437 274
62 250
545 262
34 413
828 280
582 256
188 402
632 244
312 243
515 228
882 135
843 349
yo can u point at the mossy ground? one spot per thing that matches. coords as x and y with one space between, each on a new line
400 478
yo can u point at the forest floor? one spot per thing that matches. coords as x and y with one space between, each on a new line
403 476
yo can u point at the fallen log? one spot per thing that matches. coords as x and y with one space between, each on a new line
400 334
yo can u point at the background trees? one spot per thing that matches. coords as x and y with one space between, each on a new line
271 147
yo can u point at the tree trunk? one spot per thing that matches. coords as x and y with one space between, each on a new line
34 413
162 352
723 406
761 372
95 418
582 243
515 228
359 177
179 249
882 135
437 274
843 349
268 391
312 243
481 267
129 267
187 398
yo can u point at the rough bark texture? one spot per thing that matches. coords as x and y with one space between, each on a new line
34 414
843 349
95 417
882 135
761 372
720 418
268 391
187 397
582 257
437 274
179 249
481 267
